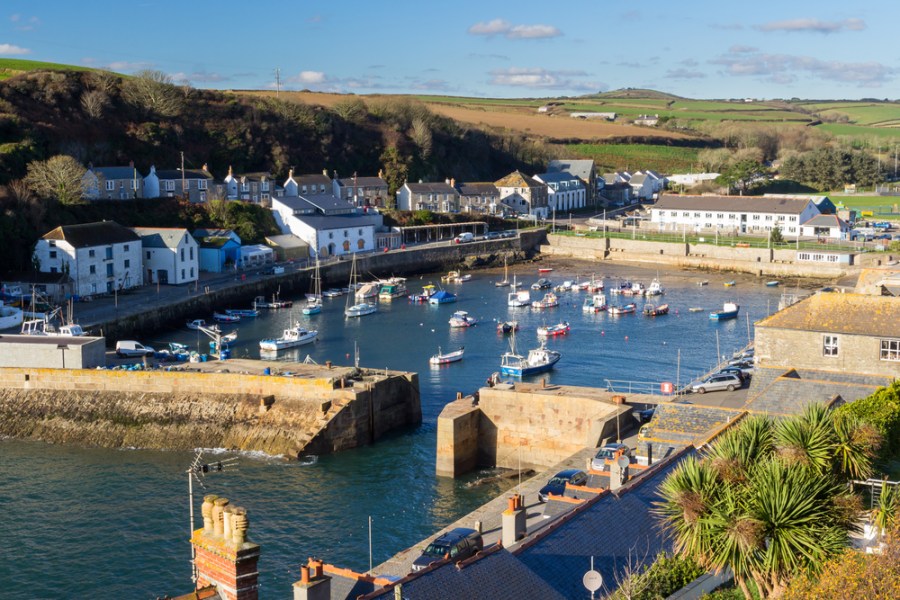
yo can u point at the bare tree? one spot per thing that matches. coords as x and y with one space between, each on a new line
60 177
421 135
352 110
103 81
154 92
93 102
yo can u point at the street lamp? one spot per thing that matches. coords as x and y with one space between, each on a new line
62 348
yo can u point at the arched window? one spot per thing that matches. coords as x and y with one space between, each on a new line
346 246
361 243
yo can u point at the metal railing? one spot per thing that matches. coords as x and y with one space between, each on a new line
875 488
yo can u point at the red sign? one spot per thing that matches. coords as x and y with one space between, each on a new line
666 387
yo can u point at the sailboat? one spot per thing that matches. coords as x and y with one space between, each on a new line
362 308
314 302
538 360
505 282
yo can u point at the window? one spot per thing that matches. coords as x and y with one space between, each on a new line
192 253
890 350
182 255
109 269
182 273
127 263
93 269
201 185
52 243
696 215
346 233
264 186
720 216
109 253
91 253
685 214
361 244
330 235
192 271
53 270
170 186
768 217
202 196
830 345
110 186
360 232
674 213
148 255
133 185
53 254
125 248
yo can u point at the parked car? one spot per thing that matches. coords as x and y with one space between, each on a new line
464 238
457 544
130 349
718 382
492 235
557 483
609 452
509 234
643 416
644 432
743 372
883 236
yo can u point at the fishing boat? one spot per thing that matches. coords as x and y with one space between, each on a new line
314 300
729 311
292 337
542 284
553 330
247 313
442 297
515 284
518 298
333 293
729 283
10 316
427 292
565 286
703 282
539 360
655 311
695 309
226 318
507 327
442 359
368 291
200 324
230 336
621 288
595 285
360 309
395 287
505 281
636 289
622 310
655 288
549 300
595 303
456 277
773 283
545 270
462 319
276 302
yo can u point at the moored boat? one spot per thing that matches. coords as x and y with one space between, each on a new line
333 293
545 270
654 289
442 297
314 300
362 308
442 359
539 360
226 318
542 284
695 309
595 303
549 300
773 283
655 311
636 289
519 298
395 287
200 324
367 291
462 318
276 302
622 310
729 311
554 330
290 338
729 283
565 286
10 316
703 282
505 281
242 312
456 277
620 288
507 327
427 292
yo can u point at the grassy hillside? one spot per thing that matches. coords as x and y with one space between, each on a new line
10 67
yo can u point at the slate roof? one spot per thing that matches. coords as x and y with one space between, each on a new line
316 179
431 188
638 179
88 235
831 312
110 173
745 204
497 575
204 232
215 242
188 174
362 182
320 222
168 237
580 168
323 203
558 177
477 189
517 179
286 241
609 528
676 425
826 221
787 391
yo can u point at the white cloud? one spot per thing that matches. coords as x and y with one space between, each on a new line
308 77
125 65
681 73
786 68
813 25
514 32
198 77
12 50
23 24
543 79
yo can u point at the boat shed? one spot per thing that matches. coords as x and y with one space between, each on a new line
52 352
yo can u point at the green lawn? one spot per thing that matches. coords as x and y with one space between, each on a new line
861 131
612 157
866 114
13 66
879 205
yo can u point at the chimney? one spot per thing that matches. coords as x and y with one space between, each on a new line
381 175
229 169
224 558
453 182
513 526
205 167
314 584
617 474
325 172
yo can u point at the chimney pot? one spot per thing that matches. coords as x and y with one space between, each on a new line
511 503
227 526
240 524
219 506
325 172
328 364
207 511
304 574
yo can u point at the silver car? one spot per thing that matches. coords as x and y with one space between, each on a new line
717 382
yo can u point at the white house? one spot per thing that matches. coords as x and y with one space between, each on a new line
642 186
523 194
585 170
170 255
565 192
99 257
112 183
329 225
441 197
257 188
826 226
307 185
192 184
692 179
732 214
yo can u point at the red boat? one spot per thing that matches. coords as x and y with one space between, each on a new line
545 270
553 330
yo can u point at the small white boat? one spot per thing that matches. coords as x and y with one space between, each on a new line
596 303
565 286
462 319
456 277
637 289
367 291
695 309
703 282
548 301
332 293
655 288
505 282
538 360
554 330
359 309
519 298
314 300
622 310
226 318
242 312
198 324
10 316
292 337
442 359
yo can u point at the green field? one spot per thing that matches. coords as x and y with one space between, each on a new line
861 131
867 114
13 66
613 157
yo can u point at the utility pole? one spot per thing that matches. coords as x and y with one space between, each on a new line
183 191
277 80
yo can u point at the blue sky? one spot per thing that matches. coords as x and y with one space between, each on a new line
721 49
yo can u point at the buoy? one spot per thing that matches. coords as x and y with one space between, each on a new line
602 333
347 355
626 338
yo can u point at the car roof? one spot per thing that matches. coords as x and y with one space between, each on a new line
613 446
454 534
568 473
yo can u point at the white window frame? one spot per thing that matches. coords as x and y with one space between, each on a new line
110 186
201 184
170 186
890 350
831 345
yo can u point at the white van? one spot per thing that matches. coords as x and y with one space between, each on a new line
463 238
130 348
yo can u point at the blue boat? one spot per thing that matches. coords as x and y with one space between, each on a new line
539 360
729 311
441 297
773 283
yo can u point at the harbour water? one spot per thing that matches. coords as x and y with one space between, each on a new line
114 523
